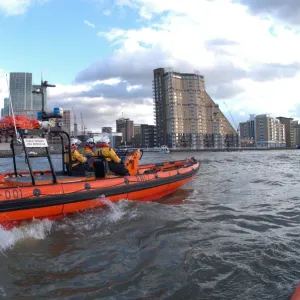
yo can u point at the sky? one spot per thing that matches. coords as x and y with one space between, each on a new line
101 53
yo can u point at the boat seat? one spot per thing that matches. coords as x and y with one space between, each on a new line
101 167
87 173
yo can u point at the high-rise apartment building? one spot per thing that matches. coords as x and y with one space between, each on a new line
5 111
247 129
24 102
144 136
295 129
20 88
125 126
269 132
148 135
297 134
185 114
247 132
137 138
290 130
137 129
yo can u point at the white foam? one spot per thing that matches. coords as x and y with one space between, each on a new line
195 193
39 230
2 292
117 210
35 230
90 220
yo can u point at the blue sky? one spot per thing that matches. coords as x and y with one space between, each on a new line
101 53
54 39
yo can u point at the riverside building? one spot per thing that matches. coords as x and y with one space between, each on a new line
186 116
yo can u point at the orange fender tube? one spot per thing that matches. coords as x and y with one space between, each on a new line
296 295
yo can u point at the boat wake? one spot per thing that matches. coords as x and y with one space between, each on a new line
35 230
117 210
39 230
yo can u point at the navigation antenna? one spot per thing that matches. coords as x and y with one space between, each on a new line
75 123
44 84
12 111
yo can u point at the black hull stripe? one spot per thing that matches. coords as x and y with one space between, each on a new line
29 203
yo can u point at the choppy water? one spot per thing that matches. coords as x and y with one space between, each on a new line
232 233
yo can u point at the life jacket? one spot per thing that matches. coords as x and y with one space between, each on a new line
88 150
74 161
102 150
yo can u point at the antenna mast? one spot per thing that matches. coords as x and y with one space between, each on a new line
44 84
75 123
82 125
11 108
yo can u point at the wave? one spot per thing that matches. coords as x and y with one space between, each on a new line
36 229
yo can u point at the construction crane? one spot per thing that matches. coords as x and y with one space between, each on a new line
75 123
236 127
82 125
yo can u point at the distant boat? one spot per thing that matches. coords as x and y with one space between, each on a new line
32 153
162 149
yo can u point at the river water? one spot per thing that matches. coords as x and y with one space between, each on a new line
231 233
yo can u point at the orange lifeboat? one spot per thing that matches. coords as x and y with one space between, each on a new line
52 194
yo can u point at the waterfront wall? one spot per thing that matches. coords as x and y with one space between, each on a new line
230 149
8 153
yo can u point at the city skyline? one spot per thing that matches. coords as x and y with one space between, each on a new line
102 61
185 115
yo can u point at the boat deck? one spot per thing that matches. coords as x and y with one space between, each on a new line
44 179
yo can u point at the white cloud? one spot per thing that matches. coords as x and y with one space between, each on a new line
189 24
287 11
113 34
110 81
67 91
64 91
129 3
89 24
250 61
107 12
96 101
17 7
133 87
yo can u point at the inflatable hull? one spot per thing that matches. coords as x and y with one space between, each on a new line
296 294
20 201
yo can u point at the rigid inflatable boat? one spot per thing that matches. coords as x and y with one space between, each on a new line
52 194
296 294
